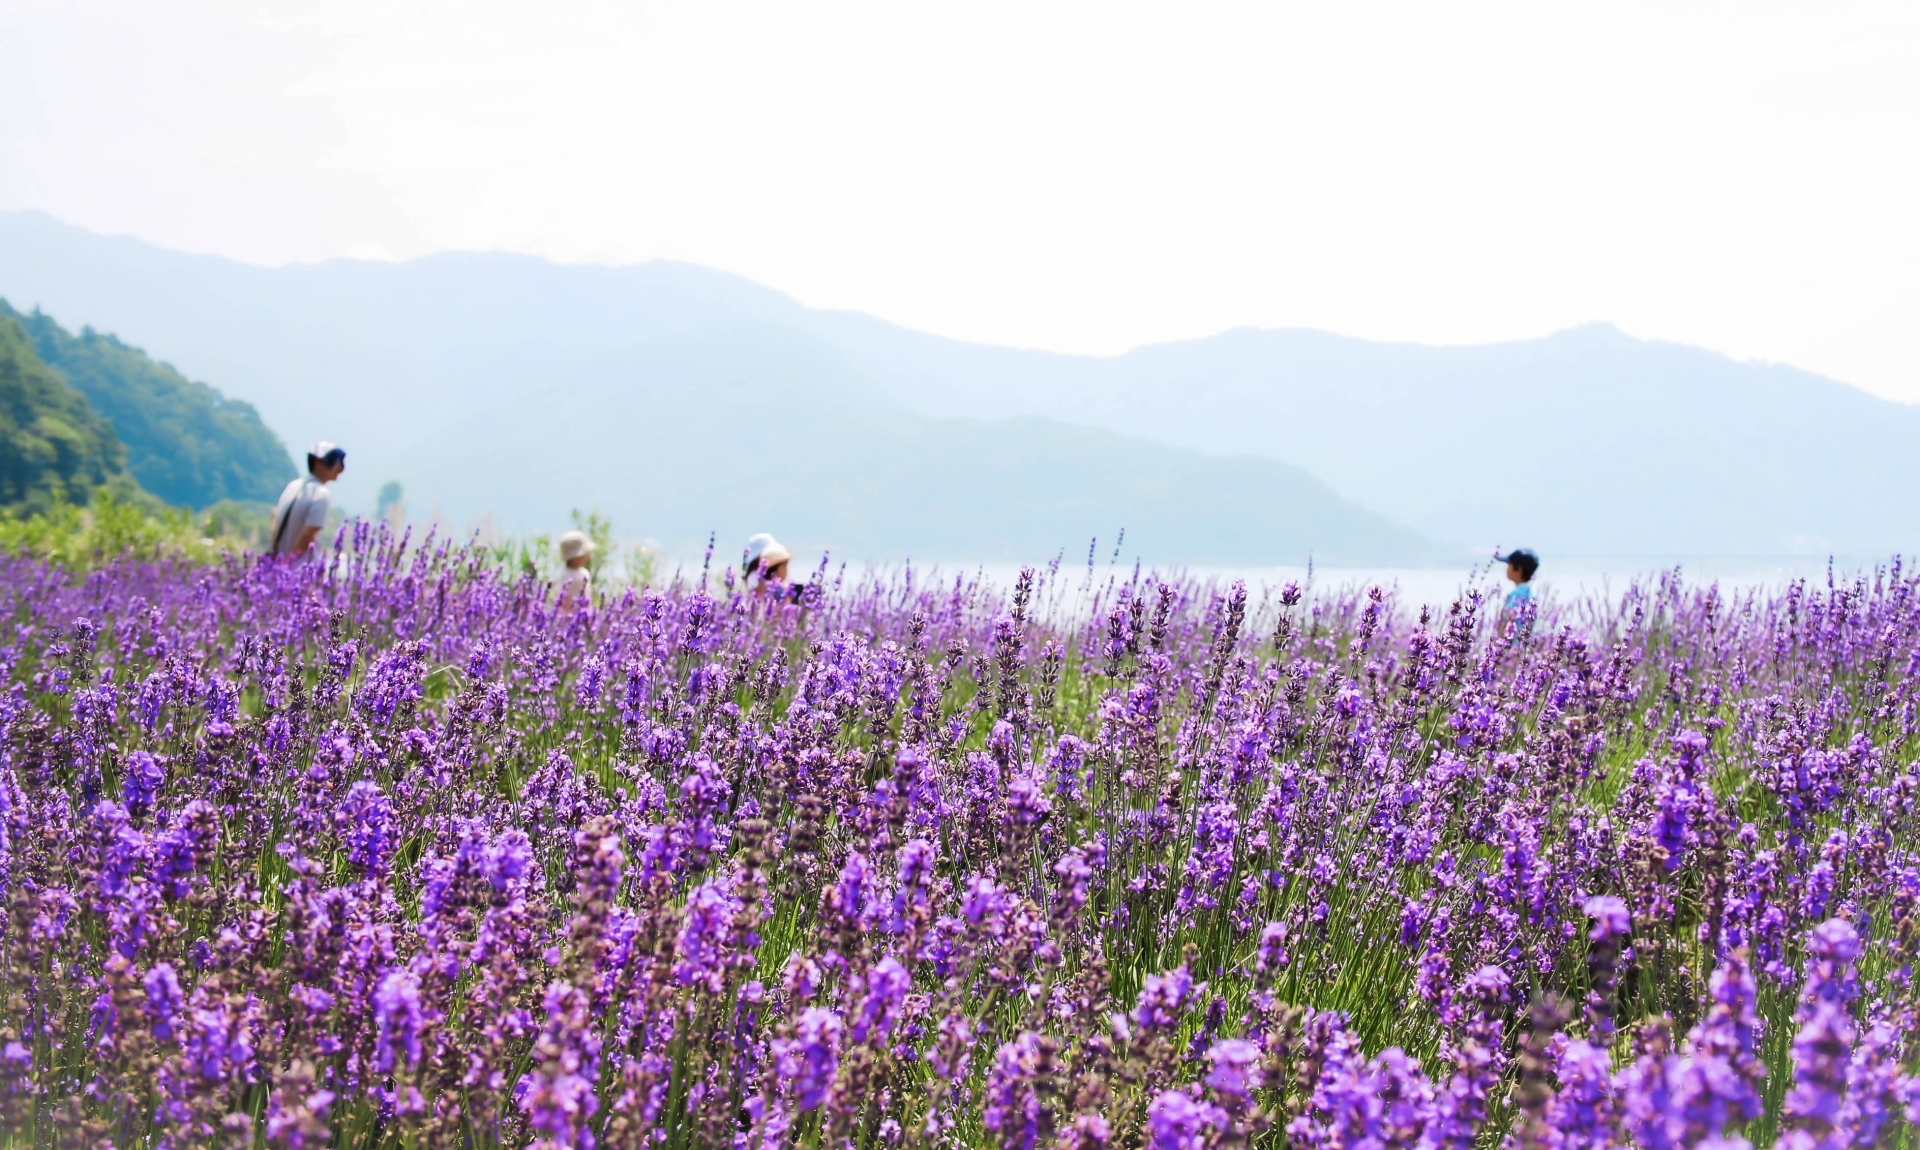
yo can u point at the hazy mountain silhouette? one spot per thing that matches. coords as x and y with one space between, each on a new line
1587 441
677 399
503 382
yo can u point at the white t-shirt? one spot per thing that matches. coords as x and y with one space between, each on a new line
303 504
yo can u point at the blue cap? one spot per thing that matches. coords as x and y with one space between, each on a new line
1522 558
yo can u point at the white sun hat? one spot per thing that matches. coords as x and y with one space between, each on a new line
764 551
574 544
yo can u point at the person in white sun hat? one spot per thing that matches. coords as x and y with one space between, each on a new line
576 550
765 562
304 504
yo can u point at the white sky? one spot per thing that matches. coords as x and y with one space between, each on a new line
1076 176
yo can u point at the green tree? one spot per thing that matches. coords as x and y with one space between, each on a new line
54 448
185 442
391 495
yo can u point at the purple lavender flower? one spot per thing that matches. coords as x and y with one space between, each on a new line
557 1094
1176 1120
366 825
185 847
143 779
1612 925
1070 897
1164 1000
886 995
1821 1059
1027 802
297 1112
809 1060
508 860
219 1039
1584 1113
164 1000
1232 1077
1271 957
986 903
848 898
1730 1031
1013 1105
950 1058
1832 949
1088 1132
1460 1105
1879 1095
1823 1047
706 938
399 1019
1356 1103
207 774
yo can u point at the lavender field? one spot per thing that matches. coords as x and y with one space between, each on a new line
397 850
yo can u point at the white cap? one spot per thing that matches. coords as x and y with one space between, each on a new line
322 449
574 544
764 551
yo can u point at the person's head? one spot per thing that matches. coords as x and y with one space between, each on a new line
577 549
765 557
325 461
1521 565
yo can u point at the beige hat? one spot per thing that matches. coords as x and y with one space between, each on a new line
574 544
764 551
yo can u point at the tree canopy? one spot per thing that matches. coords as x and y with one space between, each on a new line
54 448
185 441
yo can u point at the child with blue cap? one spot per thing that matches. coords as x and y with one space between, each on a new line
1521 565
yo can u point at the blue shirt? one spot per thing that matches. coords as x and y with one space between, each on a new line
1521 593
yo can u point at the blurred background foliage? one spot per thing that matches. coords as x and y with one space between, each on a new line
86 536
616 563
109 526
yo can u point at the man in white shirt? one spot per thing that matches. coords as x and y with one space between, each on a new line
304 504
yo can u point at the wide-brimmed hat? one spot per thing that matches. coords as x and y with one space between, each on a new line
764 551
574 544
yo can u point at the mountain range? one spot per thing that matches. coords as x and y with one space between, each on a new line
681 400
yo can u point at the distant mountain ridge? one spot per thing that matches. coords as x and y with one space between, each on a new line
1587 441
185 442
504 383
678 400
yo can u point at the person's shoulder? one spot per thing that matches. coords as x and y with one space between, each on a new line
319 502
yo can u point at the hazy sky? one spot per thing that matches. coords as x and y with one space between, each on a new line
1076 176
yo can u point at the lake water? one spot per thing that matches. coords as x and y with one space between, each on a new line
1569 579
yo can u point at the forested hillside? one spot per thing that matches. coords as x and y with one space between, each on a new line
53 445
185 442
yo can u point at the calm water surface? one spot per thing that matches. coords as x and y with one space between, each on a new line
1564 581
